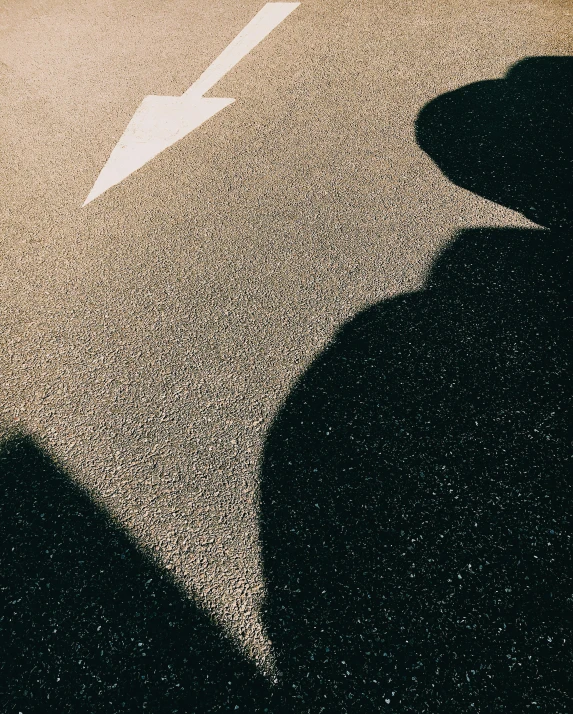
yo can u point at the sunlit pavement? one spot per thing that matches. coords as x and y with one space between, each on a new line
150 338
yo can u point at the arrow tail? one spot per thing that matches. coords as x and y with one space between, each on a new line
264 22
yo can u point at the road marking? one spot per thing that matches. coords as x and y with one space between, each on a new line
159 122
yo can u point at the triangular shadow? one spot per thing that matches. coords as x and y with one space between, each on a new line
90 623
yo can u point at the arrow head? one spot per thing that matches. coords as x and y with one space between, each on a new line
158 123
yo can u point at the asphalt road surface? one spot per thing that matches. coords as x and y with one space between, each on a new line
282 411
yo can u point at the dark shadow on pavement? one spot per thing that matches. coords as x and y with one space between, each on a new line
416 488
88 623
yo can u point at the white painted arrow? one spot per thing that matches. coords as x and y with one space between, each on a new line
159 122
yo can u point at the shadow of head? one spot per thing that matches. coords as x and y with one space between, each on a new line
509 140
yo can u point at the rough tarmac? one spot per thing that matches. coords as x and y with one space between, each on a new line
160 347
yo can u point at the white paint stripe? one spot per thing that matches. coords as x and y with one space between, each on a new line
159 122
264 22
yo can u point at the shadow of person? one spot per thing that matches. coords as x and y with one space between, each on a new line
88 623
415 496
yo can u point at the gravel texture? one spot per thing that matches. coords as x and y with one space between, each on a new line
300 257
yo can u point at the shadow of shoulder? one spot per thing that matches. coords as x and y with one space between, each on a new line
415 446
